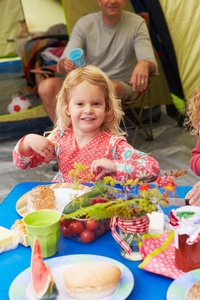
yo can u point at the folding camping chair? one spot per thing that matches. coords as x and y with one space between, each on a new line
128 105
136 117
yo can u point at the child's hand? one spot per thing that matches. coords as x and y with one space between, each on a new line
102 166
38 144
194 195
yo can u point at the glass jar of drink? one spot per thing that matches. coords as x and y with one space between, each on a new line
187 238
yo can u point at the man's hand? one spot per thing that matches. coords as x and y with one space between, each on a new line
102 166
66 66
195 195
140 76
36 143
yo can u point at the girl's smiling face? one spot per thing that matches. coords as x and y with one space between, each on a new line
87 108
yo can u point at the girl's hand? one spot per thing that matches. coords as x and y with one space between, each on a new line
37 143
194 195
102 166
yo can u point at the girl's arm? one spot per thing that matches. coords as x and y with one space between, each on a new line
102 167
123 161
132 163
33 150
195 160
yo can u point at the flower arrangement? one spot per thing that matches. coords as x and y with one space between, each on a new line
110 198
126 204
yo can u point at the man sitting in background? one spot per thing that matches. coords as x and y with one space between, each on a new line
113 40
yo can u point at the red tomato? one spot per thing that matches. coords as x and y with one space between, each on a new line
92 224
100 230
87 236
66 232
76 227
65 222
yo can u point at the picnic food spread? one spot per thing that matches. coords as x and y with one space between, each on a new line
91 280
41 197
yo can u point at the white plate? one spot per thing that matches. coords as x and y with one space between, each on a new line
63 193
180 286
21 288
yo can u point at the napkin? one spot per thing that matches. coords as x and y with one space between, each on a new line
158 254
64 196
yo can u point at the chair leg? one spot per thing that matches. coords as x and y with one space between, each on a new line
135 126
140 126
150 135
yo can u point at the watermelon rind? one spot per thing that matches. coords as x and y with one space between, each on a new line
42 282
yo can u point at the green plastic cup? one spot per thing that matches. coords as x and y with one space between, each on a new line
45 224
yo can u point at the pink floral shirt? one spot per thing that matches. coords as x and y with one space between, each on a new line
195 160
129 162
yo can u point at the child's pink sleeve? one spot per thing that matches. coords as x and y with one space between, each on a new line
32 161
195 160
133 164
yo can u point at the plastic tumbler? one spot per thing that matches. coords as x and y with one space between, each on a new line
76 56
45 224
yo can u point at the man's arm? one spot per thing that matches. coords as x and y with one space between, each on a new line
76 41
140 76
146 59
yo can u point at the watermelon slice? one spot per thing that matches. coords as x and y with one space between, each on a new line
42 282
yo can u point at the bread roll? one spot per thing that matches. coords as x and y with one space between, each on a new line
194 292
40 197
91 280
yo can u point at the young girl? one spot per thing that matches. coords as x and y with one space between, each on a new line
87 131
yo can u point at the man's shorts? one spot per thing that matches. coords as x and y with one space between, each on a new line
130 95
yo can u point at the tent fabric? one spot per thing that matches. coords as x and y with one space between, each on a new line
182 18
162 42
11 23
25 19
33 113
42 14
17 129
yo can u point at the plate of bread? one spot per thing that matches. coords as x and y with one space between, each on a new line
84 277
51 196
185 287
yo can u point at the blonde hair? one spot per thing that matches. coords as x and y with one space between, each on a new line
193 113
95 76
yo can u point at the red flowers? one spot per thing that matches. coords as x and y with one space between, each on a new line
167 181
99 200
